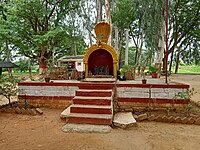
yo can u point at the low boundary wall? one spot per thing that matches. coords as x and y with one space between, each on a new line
60 94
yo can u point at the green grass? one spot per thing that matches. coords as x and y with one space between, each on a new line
183 69
192 69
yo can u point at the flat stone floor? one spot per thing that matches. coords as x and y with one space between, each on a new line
138 80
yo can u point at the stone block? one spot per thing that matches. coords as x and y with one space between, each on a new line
135 116
129 109
18 110
197 122
158 118
151 117
32 112
184 120
124 120
194 116
190 120
164 118
177 120
170 119
39 111
24 111
142 117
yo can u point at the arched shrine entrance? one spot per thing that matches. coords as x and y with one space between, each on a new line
100 62
101 59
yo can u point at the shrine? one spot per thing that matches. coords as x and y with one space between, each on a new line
95 98
101 59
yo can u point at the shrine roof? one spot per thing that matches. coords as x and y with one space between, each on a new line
8 64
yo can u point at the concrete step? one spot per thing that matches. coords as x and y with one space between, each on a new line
86 128
97 86
94 93
92 100
91 109
84 118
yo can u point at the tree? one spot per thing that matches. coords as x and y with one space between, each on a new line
183 28
8 88
41 27
123 9
5 32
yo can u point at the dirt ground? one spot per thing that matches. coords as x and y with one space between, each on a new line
43 132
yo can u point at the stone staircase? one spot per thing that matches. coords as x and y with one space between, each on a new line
92 104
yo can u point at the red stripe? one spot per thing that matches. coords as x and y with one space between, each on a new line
80 85
46 97
155 100
84 85
180 86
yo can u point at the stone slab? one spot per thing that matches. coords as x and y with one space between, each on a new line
124 119
142 117
86 128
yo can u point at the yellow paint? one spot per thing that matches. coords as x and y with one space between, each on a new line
106 47
102 31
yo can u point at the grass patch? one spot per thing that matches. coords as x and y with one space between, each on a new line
192 69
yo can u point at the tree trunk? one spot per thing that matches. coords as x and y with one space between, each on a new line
177 61
136 56
9 102
127 45
29 68
8 53
171 61
120 49
116 39
43 60
108 18
99 11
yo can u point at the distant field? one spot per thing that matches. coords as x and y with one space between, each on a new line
192 69
187 69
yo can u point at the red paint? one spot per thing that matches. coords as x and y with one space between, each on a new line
103 85
46 97
92 101
74 109
42 66
179 86
153 100
100 57
97 86
95 94
82 85
154 75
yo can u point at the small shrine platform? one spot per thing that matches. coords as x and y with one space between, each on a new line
129 94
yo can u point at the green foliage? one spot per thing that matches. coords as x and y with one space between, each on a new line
152 14
8 87
124 9
125 68
26 104
34 24
189 69
184 20
153 69
185 95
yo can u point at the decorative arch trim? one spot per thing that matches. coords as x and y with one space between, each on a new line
106 47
